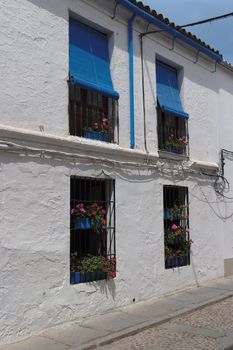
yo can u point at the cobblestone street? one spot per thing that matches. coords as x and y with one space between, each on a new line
210 328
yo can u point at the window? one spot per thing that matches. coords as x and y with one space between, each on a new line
92 115
177 243
92 98
172 120
92 226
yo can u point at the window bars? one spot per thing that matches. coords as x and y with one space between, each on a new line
177 243
92 226
92 115
172 133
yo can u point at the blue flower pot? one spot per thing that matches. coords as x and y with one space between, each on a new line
82 224
175 261
96 135
78 277
178 150
166 214
168 263
179 240
75 277
95 224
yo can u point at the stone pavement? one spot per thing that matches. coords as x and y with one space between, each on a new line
201 317
209 328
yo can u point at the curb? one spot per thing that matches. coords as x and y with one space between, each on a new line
95 344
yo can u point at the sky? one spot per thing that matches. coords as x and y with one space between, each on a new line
218 34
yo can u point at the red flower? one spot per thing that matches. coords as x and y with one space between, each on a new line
103 211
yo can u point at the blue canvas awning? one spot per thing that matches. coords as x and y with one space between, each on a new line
168 94
89 64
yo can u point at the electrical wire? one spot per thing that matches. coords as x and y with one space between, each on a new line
212 19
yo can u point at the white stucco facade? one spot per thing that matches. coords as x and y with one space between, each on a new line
40 157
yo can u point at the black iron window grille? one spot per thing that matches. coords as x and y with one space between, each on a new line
177 243
172 133
92 230
92 115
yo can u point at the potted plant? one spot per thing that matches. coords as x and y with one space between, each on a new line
97 215
98 131
81 218
91 268
175 213
91 216
176 145
75 269
177 246
168 257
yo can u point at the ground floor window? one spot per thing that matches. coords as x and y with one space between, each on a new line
92 226
177 242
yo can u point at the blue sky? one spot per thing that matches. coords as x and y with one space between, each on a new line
218 35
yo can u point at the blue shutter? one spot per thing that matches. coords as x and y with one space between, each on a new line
168 94
89 64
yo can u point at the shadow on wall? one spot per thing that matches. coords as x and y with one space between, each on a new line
108 289
59 10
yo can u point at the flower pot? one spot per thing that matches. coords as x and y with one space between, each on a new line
95 276
75 277
101 276
175 261
169 263
82 224
172 149
96 135
95 224
179 240
166 214
78 277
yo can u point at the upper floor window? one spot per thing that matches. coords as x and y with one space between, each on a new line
92 98
172 120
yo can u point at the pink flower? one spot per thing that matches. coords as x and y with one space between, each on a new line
81 208
187 230
174 227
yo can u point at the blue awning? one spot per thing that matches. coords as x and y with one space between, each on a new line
168 94
89 64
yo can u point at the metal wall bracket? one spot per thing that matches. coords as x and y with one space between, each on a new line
215 67
147 27
197 55
173 43
115 8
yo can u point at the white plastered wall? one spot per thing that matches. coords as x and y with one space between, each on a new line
35 191
225 115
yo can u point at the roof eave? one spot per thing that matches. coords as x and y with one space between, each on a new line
174 32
